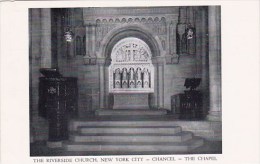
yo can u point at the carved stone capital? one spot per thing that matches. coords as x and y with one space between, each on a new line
89 60
159 60
172 59
101 61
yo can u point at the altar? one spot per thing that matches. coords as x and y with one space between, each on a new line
131 101
131 74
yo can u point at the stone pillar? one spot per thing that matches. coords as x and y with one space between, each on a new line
204 61
155 100
46 38
160 81
101 63
106 86
38 125
199 35
214 63
168 28
93 33
91 39
173 37
202 55
87 40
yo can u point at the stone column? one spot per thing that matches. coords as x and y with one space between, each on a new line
214 63
89 27
168 42
46 38
101 63
202 55
106 85
93 33
155 103
173 37
160 81
87 41
204 61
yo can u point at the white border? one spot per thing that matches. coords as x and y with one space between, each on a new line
240 77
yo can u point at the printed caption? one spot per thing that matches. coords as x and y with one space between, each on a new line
124 159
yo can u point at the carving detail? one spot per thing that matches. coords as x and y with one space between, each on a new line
131 68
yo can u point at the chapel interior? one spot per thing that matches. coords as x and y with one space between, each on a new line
125 80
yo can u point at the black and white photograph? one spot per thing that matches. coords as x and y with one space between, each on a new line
149 82
125 80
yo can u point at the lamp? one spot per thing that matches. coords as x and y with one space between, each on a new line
67 22
190 32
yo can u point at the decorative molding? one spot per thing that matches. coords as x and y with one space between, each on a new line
131 50
89 12
159 21
156 24
101 61
129 19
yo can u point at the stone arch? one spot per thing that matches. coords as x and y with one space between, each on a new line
125 30
156 19
133 30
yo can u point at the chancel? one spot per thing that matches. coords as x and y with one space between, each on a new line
125 80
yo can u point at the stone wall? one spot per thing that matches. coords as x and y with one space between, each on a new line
175 75
98 26
91 27
38 125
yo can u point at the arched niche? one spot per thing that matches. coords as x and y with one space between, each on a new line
104 62
132 30
131 69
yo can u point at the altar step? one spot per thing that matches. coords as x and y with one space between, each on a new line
127 129
114 148
132 112
115 137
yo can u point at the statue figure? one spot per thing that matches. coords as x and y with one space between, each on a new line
124 85
131 84
138 74
143 55
131 78
131 73
117 84
117 74
129 55
117 78
136 55
139 84
124 74
124 78
139 78
146 78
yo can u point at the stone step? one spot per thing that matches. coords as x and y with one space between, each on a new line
132 112
129 129
119 147
78 123
131 137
